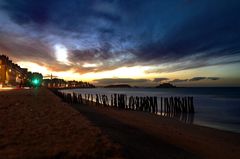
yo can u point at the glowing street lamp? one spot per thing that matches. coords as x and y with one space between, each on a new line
36 82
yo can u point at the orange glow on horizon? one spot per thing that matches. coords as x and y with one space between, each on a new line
137 72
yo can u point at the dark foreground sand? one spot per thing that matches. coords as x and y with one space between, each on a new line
35 124
145 135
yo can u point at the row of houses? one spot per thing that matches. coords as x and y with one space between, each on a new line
60 83
11 74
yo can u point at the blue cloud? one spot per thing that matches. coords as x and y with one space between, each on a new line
145 32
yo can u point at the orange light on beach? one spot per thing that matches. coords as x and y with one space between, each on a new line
5 88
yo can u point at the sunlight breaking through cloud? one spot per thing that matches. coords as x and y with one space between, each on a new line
61 54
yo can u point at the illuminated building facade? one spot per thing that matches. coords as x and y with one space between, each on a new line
60 83
11 74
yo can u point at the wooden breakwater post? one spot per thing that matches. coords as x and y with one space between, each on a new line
67 98
80 99
131 103
154 105
100 99
147 104
74 98
121 101
174 105
97 99
111 104
87 98
178 107
115 100
105 101
91 98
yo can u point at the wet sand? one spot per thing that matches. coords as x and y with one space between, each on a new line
136 142
145 135
35 124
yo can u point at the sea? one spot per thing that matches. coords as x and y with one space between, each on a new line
214 107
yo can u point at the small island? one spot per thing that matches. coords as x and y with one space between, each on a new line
165 85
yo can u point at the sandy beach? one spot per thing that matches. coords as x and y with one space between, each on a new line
190 141
37 124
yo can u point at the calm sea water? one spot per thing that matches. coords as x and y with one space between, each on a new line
215 107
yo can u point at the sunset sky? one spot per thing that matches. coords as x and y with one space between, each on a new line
139 42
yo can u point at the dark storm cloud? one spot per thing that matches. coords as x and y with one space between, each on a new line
146 82
89 55
179 80
23 46
194 79
105 81
183 34
160 79
66 14
204 78
213 78
214 32
197 78
27 11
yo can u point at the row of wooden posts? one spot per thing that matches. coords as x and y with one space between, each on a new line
168 105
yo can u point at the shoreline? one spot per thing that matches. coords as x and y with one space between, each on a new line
208 107
226 143
37 124
219 144
205 125
204 141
